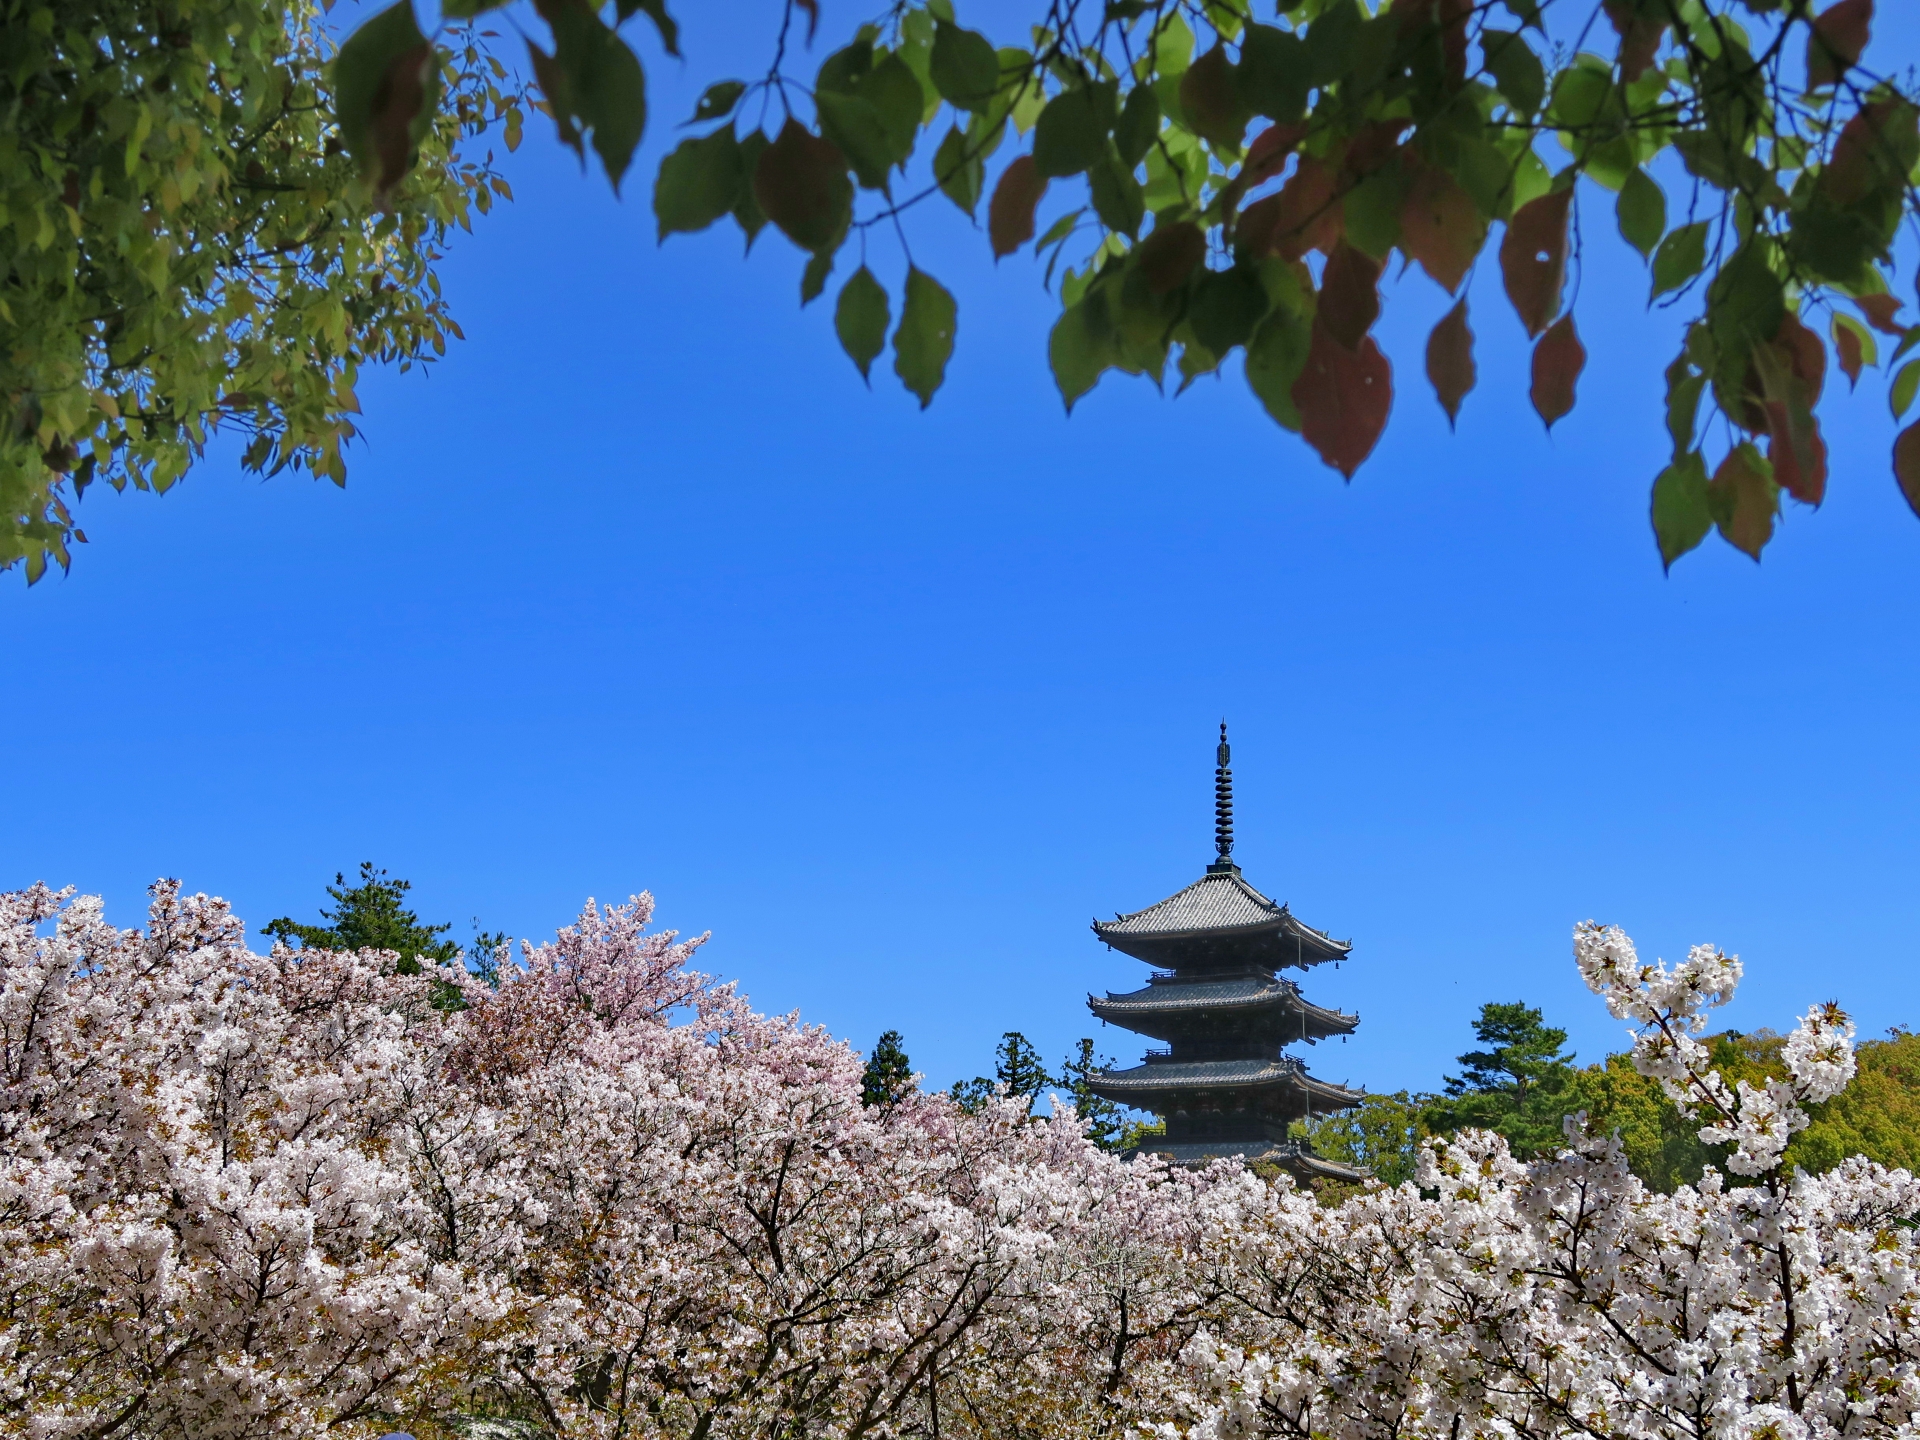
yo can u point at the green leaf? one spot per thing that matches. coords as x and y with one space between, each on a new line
1681 256
851 123
924 342
718 101
698 183
860 320
1275 357
1330 41
1515 69
1274 74
1900 393
1080 349
965 67
1117 197
1072 131
1372 212
385 83
1060 229
606 90
1139 124
960 175
1227 304
746 208
814 278
1681 517
1642 212
1684 385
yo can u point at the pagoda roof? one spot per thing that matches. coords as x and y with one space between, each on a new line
1172 999
1161 1077
1219 918
1289 1155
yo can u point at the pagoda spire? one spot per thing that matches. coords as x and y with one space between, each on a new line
1223 808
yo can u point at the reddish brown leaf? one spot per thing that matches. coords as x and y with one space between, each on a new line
1906 465
1865 141
1881 311
396 105
812 7
1798 456
1835 41
1210 95
1533 258
1804 354
1350 295
802 185
1343 397
1639 27
1167 256
1852 357
1557 362
1440 227
1266 158
1450 360
1744 499
1015 198
1304 216
1446 17
1373 147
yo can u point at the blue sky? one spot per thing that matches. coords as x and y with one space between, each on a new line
642 588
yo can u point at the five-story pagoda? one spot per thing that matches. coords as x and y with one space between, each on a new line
1225 1086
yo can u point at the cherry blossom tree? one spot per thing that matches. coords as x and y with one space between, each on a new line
289 1195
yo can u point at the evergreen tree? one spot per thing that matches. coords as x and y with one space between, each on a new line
1105 1119
1016 1066
1522 1086
889 1075
371 916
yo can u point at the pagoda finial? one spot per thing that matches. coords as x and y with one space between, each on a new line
1223 806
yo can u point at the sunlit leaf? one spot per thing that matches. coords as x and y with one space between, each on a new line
1854 345
1681 516
1743 499
1905 383
1681 256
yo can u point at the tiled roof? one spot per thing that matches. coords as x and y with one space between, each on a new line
1219 1075
1242 993
1213 902
1218 910
1288 1156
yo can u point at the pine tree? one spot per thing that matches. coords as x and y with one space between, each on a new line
1523 1087
370 916
889 1074
1105 1119
1016 1067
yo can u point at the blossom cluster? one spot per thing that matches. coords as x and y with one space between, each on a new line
298 1194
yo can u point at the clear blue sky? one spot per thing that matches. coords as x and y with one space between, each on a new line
642 588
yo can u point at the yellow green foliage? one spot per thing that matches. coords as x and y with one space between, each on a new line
185 244
1877 1116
